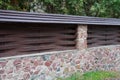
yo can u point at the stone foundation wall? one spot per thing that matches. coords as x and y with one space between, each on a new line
50 66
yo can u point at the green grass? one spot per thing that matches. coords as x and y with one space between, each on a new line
94 75
99 75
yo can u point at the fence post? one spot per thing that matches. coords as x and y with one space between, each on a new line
81 41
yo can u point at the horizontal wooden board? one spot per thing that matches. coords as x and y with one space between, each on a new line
18 39
107 35
27 17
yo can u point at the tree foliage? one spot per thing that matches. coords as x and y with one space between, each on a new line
97 8
20 5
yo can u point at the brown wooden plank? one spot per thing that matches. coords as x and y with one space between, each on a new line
18 39
98 36
37 47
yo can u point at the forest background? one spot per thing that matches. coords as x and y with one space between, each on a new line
96 8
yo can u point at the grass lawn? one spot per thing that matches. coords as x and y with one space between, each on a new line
94 75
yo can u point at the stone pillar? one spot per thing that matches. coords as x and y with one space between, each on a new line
81 41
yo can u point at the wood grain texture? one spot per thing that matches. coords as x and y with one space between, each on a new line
103 35
17 39
27 17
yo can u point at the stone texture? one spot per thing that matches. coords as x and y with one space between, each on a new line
60 64
81 37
